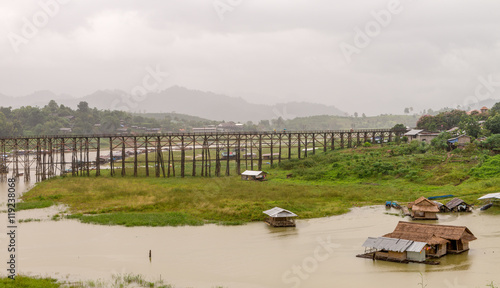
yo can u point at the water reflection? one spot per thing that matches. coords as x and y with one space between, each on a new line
253 255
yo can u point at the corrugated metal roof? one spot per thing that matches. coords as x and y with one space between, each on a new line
393 244
279 212
490 196
251 173
413 132
416 246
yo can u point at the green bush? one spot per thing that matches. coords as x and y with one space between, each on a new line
489 168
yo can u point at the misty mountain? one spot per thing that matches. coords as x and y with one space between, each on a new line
177 99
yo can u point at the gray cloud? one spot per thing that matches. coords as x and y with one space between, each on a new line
430 54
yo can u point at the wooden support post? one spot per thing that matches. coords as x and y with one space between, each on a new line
135 157
228 154
183 156
98 158
260 153
272 151
279 149
333 141
74 156
305 145
298 144
314 143
217 156
111 160
324 142
194 155
147 154
238 154
123 156
289 145
342 140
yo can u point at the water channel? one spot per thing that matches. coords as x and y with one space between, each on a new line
317 253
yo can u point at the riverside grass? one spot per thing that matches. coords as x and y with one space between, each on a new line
324 184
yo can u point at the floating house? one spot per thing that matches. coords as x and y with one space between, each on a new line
423 209
441 239
458 205
279 217
396 250
253 175
489 199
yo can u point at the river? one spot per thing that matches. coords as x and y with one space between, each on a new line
317 253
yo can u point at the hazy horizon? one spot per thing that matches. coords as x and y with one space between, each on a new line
370 57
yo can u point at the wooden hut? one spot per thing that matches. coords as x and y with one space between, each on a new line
442 239
279 217
397 250
423 209
253 175
458 205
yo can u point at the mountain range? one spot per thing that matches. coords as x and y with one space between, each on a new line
177 99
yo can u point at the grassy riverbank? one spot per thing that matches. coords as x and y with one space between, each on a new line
322 185
122 281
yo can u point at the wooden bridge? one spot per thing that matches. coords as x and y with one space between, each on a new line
172 154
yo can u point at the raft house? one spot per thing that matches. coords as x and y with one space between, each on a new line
279 217
457 205
423 209
490 199
417 242
253 175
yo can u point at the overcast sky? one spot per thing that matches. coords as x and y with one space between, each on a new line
365 56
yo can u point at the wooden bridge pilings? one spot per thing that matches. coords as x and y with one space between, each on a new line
172 154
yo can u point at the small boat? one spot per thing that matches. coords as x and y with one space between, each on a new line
486 207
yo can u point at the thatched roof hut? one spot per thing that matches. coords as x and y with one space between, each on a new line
423 209
458 205
444 238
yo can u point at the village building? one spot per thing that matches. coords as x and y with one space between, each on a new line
253 175
458 205
279 217
65 130
423 209
459 141
442 239
229 127
421 135
209 129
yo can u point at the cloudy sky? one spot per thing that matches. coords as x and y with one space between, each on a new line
365 56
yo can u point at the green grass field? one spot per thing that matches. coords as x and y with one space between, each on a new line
322 185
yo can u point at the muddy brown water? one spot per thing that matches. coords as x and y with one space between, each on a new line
317 253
